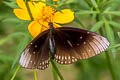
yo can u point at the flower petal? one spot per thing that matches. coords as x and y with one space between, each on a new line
56 25
21 4
36 9
35 28
22 14
65 16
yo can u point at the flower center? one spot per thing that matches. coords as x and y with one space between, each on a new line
47 13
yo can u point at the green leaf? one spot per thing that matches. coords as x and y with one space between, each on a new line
106 3
4 40
116 13
79 22
94 3
11 4
109 31
15 20
114 24
114 46
119 34
5 58
110 35
84 12
97 26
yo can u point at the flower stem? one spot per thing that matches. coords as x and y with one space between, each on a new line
28 8
35 74
55 76
56 69
15 72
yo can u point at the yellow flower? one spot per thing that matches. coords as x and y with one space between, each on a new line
56 0
42 15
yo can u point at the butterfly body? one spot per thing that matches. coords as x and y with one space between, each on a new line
65 45
52 46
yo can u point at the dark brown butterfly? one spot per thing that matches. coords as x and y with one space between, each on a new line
65 45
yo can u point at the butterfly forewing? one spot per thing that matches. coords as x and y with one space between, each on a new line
36 54
73 44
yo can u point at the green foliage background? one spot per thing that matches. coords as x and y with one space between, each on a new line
101 16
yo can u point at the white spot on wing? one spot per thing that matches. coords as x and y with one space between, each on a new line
69 62
56 56
35 46
65 62
73 60
65 57
78 44
61 62
40 63
62 57
89 50
34 52
69 43
81 37
68 57
88 32
59 57
84 42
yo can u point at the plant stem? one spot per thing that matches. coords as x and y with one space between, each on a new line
17 69
56 69
35 74
54 74
110 66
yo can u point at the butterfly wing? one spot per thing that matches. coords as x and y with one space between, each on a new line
36 54
73 44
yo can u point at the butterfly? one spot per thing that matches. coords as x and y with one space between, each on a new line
65 45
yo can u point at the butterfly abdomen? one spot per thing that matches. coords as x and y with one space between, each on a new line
52 47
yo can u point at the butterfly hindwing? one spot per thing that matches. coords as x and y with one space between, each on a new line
73 44
36 54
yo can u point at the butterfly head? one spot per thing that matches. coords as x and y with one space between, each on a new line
50 25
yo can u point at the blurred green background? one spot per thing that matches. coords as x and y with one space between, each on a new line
101 16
